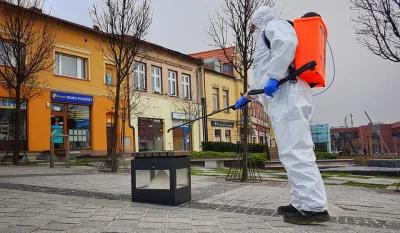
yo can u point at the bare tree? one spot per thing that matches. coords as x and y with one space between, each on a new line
231 29
26 49
124 24
190 107
376 27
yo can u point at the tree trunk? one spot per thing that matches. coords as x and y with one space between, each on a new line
115 163
17 117
245 144
245 134
268 154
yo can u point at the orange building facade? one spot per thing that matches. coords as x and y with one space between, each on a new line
75 102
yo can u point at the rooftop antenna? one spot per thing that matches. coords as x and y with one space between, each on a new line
351 117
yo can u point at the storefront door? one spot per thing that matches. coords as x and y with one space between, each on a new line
109 139
58 128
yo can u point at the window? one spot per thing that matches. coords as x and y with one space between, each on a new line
217 135
7 55
228 136
227 68
225 98
70 66
186 86
156 76
215 99
140 77
172 87
78 124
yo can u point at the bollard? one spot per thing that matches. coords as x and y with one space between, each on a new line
51 152
67 162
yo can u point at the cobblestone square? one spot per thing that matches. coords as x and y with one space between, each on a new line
39 199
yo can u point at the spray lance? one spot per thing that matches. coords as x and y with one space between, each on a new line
291 77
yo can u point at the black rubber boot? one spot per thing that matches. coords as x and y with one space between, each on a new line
289 209
306 217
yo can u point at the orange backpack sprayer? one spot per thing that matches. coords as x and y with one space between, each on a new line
310 58
311 35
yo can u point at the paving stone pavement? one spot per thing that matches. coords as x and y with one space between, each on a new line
59 200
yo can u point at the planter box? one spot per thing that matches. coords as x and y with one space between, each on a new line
384 163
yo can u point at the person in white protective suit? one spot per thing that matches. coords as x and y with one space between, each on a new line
290 109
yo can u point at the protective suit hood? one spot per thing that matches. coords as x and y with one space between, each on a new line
262 16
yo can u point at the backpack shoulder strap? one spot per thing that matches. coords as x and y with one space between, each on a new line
267 42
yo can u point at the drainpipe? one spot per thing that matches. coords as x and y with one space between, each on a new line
130 122
203 102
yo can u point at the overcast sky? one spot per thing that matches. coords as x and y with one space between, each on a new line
364 82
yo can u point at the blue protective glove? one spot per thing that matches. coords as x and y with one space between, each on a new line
271 87
241 103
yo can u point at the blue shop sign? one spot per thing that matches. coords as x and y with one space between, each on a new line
10 104
71 98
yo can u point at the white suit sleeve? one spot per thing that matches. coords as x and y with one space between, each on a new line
283 40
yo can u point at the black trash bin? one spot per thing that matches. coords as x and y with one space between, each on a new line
161 178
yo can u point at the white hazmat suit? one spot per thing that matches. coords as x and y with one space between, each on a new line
290 109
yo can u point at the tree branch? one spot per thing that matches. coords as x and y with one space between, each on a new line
376 27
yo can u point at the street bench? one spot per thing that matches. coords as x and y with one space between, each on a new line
212 162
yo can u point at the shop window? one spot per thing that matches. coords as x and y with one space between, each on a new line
140 76
217 135
7 123
78 124
157 80
215 99
228 136
151 136
70 66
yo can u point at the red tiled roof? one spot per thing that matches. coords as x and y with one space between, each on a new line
217 53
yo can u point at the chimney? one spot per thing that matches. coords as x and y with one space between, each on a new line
95 27
36 10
